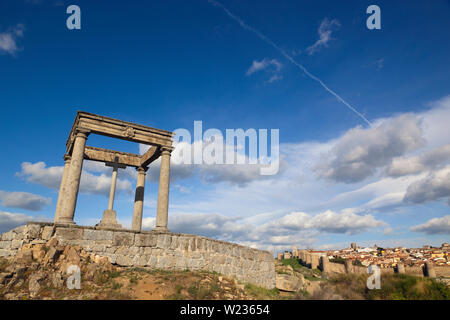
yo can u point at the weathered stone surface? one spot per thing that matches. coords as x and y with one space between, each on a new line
32 230
123 260
16 244
47 232
145 240
163 241
5 253
69 233
8 236
288 282
35 281
52 255
24 256
123 239
5 244
97 235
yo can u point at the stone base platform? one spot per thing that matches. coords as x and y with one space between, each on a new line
153 249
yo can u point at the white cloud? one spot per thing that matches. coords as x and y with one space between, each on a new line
234 174
8 39
275 78
345 222
263 64
433 187
434 226
51 178
10 221
435 122
38 173
23 200
430 160
295 227
272 66
360 152
325 30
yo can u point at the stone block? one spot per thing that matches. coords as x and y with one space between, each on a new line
62 233
286 282
97 235
163 241
47 232
145 240
5 244
32 230
16 244
123 260
8 236
112 257
5 253
123 239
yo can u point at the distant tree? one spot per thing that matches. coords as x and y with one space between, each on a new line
338 260
357 263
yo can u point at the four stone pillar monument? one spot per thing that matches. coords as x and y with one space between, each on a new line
160 142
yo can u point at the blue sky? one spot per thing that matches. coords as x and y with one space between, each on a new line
166 64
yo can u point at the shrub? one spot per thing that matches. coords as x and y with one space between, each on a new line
294 263
407 287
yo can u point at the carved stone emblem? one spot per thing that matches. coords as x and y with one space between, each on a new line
129 132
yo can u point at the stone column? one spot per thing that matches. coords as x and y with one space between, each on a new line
136 223
61 193
163 191
112 190
429 270
400 268
69 198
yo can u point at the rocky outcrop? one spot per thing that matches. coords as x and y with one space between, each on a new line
291 283
38 267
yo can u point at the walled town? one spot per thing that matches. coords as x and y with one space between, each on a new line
382 257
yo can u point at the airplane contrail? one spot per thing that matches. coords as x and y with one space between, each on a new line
288 57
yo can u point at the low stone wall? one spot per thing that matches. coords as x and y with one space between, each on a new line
161 250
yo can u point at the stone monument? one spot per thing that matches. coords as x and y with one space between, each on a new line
160 142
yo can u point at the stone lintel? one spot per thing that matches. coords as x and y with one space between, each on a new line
118 129
105 155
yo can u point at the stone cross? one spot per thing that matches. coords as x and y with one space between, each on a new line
115 165
77 151
109 216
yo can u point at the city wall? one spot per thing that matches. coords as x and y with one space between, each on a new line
152 249
307 259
